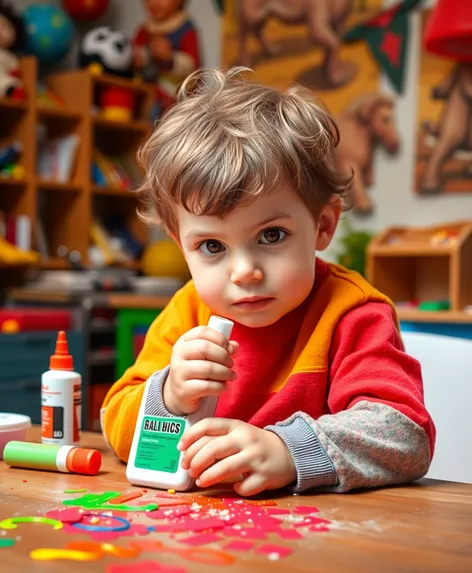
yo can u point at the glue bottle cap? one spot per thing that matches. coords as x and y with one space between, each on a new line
84 461
61 359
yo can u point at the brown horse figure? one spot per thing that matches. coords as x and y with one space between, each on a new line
325 20
366 122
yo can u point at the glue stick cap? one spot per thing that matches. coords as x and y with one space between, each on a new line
222 325
84 461
61 359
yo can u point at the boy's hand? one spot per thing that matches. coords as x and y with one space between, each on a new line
218 449
200 366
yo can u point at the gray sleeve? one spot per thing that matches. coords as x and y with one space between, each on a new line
155 402
369 445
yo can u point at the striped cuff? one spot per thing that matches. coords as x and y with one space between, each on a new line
314 467
155 402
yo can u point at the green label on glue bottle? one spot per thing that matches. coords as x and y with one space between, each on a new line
157 446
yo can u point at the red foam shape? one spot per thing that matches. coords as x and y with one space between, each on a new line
169 512
69 515
102 536
237 545
305 509
200 539
269 548
136 529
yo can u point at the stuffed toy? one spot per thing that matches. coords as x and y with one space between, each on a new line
104 50
12 39
166 48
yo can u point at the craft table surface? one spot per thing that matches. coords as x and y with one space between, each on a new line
425 526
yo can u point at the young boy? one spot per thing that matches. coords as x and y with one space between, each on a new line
315 390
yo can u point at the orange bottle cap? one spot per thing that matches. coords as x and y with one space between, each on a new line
84 461
61 359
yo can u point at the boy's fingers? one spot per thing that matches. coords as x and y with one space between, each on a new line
227 468
251 485
203 455
206 370
190 452
205 427
196 388
200 349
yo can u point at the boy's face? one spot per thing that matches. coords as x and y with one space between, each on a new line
258 262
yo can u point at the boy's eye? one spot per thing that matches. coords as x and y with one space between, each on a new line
272 236
211 247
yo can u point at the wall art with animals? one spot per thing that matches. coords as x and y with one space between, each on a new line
444 131
287 41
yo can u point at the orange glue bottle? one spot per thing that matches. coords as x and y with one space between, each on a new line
61 398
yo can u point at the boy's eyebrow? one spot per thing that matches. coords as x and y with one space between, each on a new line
204 233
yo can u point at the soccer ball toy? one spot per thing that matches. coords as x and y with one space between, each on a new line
108 50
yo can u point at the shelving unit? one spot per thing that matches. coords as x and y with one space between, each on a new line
425 264
67 209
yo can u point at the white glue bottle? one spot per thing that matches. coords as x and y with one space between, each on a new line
154 459
61 398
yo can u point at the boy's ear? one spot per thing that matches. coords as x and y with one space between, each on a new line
327 223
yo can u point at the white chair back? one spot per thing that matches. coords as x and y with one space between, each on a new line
446 364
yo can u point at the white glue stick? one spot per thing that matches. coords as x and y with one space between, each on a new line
154 459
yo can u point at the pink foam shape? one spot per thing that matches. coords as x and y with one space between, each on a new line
266 522
311 520
319 528
277 511
245 533
169 512
69 515
237 545
269 548
137 529
144 567
103 535
200 539
305 509
288 534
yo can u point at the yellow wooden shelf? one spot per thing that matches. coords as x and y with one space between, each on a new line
136 85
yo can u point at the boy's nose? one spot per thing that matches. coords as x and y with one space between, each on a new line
245 271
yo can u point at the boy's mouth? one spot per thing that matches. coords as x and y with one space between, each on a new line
253 302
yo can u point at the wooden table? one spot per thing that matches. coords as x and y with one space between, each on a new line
426 526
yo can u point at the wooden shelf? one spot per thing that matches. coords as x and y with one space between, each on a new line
54 264
452 316
10 182
66 210
45 185
140 127
99 190
57 113
425 264
12 104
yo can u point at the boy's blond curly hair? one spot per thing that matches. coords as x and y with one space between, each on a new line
228 139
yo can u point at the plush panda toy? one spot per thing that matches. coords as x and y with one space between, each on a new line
106 50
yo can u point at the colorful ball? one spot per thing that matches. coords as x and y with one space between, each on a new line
86 10
49 32
164 259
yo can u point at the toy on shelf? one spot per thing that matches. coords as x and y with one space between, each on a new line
12 39
166 49
105 50
85 10
164 259
49 32
9 154
423 269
